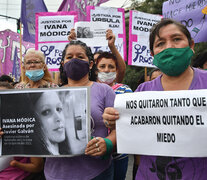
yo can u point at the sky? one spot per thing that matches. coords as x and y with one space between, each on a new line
12 8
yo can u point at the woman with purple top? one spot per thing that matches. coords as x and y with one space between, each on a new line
172 47
77 69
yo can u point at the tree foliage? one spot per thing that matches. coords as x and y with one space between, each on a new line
134 75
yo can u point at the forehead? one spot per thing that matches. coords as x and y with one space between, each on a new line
168 31
32 57
48 98
74 49
107 61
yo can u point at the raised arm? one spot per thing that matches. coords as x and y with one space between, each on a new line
121 64
72 36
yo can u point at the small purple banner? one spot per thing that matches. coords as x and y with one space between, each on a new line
79 6
191 13
28 10
10 53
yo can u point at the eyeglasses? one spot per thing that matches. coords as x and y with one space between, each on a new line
33 62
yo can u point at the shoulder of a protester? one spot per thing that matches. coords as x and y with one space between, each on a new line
20 85
123 89
52 85
104 88
147 86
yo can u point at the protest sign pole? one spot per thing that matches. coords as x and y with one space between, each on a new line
145 74
20 38
1 67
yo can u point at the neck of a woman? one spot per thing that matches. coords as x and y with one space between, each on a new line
53 148
181 82
82 82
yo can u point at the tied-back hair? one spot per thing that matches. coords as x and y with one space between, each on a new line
47 76
89 54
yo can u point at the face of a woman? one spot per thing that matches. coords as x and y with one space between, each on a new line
75 51
33 62
106 65
170 37
50 111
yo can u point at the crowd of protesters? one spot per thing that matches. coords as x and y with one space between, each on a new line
172 47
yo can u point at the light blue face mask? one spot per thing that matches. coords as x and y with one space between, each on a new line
35 75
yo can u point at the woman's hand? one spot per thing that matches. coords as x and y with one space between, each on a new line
1 132
72 35
36 164
96 147
110 116
110 37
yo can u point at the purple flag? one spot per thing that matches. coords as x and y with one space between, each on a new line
79 6
191 13
16 67
28 10
9 41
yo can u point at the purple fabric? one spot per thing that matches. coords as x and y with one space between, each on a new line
9 43
172 168
191 14
28 10
16 67
14 173
85 167
79 6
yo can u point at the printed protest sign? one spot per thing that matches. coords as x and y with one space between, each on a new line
162 123
114 19
91 33
139 29
52 122
52 35
10 53
191 13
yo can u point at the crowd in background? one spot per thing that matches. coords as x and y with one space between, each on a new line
172 47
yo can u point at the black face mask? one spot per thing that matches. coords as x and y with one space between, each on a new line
76 69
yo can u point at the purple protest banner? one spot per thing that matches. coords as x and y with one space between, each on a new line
191 13
79 6
9 43
28 10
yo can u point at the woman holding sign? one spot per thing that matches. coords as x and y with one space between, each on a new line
77 69
110 36
172 47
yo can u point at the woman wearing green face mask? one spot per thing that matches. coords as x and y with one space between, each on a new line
35 71
172 47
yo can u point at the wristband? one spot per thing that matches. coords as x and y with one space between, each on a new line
109 148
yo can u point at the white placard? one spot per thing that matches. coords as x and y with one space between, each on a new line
52 30
166 123
139 30
91 33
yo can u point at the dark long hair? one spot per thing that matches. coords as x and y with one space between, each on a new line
63 146
89 54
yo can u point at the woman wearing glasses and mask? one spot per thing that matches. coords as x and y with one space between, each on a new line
36 74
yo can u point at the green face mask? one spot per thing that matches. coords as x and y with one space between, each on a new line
173 61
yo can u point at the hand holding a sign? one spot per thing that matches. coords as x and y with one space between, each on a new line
110 37
96 147
1 132
72 35
110 116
